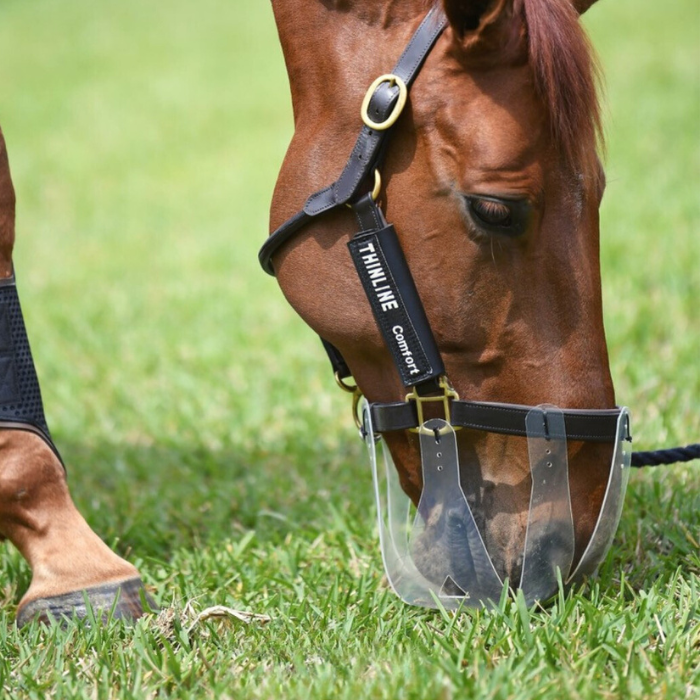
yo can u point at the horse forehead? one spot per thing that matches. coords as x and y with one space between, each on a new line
492 116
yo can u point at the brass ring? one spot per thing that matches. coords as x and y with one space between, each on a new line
350 388
355 403
398 107
377 185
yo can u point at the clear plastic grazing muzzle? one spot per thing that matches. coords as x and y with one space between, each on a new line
435 554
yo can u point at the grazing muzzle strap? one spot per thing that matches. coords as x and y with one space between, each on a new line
505 419
21 407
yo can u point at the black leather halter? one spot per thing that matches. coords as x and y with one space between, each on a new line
369 149
388 283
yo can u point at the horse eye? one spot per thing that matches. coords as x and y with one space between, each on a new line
491 212
495 215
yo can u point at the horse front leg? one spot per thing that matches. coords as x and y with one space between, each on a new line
70 564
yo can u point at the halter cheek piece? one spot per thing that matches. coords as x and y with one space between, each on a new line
389 285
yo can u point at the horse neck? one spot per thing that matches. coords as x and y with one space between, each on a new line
332 46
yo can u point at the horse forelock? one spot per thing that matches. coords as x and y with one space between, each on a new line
567 77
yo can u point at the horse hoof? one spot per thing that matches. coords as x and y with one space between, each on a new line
121 601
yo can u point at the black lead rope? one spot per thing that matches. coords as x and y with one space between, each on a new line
672 455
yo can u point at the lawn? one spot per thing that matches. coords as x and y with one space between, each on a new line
206 440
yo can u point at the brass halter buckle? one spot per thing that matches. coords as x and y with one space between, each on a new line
448 394
398 107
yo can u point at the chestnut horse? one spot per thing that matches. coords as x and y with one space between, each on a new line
493 184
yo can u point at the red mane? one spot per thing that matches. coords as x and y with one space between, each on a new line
567 77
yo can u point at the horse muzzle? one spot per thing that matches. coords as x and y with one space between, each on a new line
435 554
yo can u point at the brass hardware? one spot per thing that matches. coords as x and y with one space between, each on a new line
356 396
375 192
398 107
448 394
377 185
350 388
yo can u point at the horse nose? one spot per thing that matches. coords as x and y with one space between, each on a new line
531 558
448 549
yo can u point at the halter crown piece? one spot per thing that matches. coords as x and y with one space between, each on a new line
434 553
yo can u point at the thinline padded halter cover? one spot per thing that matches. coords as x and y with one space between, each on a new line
21 407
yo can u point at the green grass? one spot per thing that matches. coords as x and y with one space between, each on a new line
205 439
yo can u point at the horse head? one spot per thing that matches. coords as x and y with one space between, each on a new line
493 184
